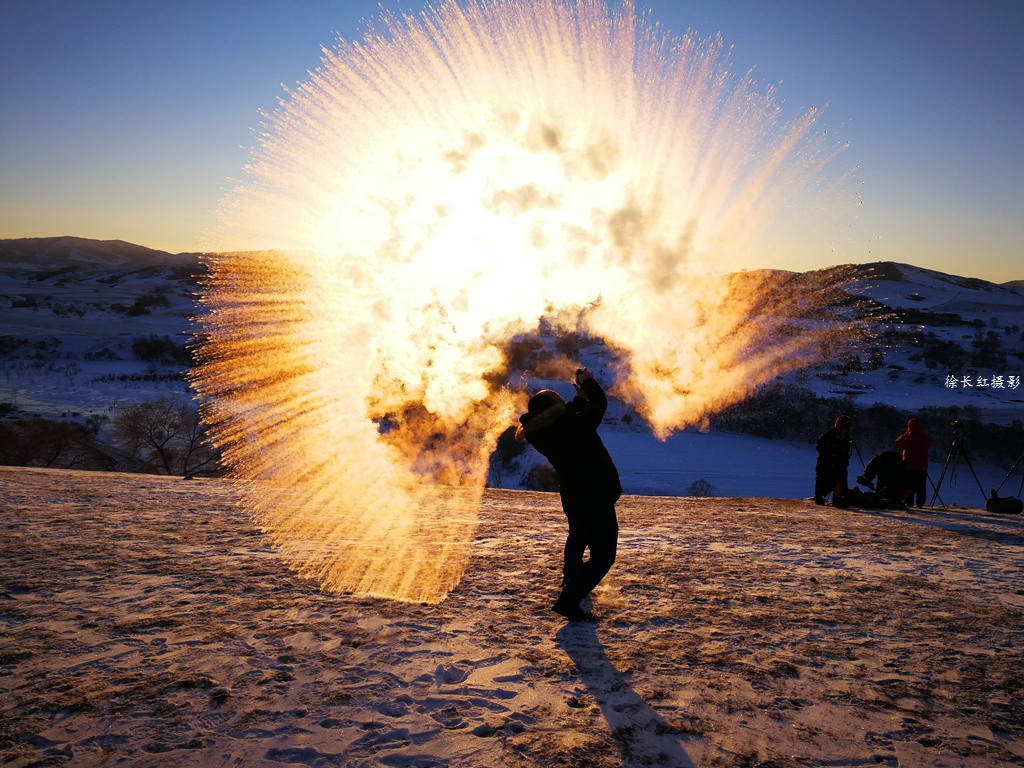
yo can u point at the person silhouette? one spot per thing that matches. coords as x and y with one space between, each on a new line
830 471
915 445
893 479
566 435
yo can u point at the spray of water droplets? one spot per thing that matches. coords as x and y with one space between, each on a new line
440 187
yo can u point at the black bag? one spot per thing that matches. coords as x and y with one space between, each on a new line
1007 505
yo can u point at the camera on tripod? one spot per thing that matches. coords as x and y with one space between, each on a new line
956 451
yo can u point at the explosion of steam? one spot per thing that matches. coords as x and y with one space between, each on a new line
441 187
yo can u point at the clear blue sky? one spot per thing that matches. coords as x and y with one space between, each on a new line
127 120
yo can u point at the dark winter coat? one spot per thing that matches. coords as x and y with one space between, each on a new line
915 445
566 434
834 447
891 472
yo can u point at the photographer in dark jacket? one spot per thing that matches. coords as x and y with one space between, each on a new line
830 471
893 484
566 434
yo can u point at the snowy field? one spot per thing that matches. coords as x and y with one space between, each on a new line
742 465
145 623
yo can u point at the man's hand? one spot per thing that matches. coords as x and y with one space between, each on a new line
582 374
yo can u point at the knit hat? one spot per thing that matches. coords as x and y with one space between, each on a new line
543 400
544 409
842 421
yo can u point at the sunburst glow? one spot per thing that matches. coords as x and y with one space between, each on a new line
442 186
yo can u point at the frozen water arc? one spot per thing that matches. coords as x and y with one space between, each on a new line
441 186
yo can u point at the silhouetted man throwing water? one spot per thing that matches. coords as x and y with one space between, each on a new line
566 434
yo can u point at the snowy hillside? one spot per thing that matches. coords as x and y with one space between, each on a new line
947 341
72 311
88 326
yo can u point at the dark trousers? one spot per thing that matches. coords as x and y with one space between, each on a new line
592 526
918 480
829 480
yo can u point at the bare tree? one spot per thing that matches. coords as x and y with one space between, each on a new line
38 442
198 453
166 435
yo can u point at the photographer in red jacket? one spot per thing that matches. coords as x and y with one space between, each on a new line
566 434
915 445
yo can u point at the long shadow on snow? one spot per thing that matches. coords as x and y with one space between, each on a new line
641 735
966 523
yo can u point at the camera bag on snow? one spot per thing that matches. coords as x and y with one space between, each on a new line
1007 505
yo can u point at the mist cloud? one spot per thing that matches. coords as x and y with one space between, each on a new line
441 187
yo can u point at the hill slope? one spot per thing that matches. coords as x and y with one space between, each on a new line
88 326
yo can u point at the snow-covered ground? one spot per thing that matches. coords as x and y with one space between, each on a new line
741 465
144 622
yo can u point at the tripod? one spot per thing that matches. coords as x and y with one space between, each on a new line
853 445
1014 467
956 450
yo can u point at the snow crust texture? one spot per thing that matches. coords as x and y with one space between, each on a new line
145 622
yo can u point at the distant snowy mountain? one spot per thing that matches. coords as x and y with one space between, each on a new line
88 326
